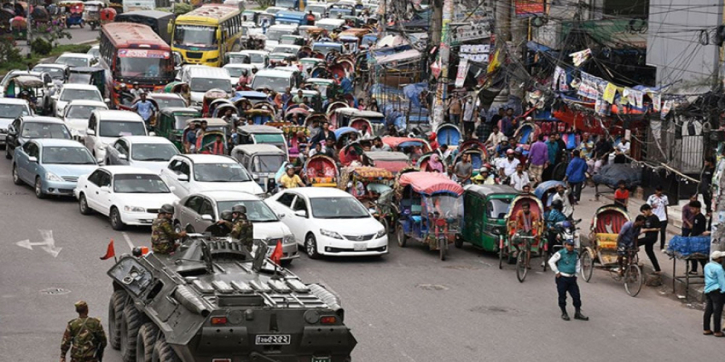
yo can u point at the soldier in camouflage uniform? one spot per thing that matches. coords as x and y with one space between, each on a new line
163 236
86 336
242 229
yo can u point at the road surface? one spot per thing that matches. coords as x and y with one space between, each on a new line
407 306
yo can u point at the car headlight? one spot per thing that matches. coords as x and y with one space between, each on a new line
380 234
288 239
52 177
330 234
133 209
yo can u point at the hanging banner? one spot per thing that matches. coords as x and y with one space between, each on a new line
609 92
656 101
529 7
462 71
579 57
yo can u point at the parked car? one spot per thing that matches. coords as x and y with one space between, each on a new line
71 92
328 221
51 166
198 211
147 152
127 195
190 174
29 127
76 115
104 127
11 109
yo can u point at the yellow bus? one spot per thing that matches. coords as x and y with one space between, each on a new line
204 35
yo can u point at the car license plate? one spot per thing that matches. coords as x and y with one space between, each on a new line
321 359
272 339
360 246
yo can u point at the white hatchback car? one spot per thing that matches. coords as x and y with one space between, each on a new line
190 174
127 195
76 115
72 92
329 221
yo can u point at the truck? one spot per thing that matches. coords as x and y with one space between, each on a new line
214 300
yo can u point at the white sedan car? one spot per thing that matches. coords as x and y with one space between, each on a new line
127 195
329 222
72 92
190 174
76 115
146 152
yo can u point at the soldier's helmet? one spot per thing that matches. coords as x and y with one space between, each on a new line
226 215
167 209
239 208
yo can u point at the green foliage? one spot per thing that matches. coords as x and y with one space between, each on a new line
51 33
182 8
41 46
8 51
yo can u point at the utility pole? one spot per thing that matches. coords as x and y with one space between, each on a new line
444 56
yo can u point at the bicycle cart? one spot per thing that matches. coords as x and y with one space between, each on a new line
524 233
605 228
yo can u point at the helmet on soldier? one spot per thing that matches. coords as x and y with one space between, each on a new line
166 209
226 215
239 208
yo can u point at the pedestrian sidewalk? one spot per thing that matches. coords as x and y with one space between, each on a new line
587 208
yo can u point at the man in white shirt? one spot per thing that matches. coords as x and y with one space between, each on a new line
507 166
520 178
659 203
468 120
493 139
562 194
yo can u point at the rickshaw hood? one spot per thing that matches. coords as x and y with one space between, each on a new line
429 183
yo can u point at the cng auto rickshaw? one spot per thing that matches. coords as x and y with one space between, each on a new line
171 124
206 144
429 209
484 215
92 13
263 162
89 75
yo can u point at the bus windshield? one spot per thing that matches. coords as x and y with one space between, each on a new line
139 63
195 35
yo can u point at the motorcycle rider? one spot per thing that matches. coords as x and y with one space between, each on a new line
552 218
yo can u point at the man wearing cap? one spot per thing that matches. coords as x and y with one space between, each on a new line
503 147
136 91
714 288
566 265
163 236
507 166
84 336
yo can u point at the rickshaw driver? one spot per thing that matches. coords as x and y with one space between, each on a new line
627 239
26 96
525 219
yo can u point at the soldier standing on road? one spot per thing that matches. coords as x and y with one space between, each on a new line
566 265
242 229
163 236
86 336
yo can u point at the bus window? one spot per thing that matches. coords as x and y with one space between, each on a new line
195 35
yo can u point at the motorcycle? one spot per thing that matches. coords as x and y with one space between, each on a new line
561 232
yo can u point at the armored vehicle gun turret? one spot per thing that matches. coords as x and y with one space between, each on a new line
213 301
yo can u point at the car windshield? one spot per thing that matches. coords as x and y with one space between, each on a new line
257 211
289 40
44 130
275 34
95 52
67 156
497 208
13 110
139 184
235 72
268 163
256 58
195 35
337 208
72 61
329 27
81 112
277 84
55 73
324 49
150 65
205 84
316 9
220 172
171 102
79 78
238 59
285 50
69 94
152 151
121 128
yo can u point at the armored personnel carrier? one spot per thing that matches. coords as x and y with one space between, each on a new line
213 301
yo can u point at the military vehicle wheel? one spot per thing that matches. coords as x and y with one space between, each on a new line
115 315
83 205
311 246
39 188
16 177
145 342
132 321
163 352
116 222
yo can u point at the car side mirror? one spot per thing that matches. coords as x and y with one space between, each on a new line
301 213
105 189
182 177
172 188
280 216
207 217
107 100
152 134
32 159
255 177
122 156
90 132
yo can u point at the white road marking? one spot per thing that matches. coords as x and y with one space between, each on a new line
48 243
128 241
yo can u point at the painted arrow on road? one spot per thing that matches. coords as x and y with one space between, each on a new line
48 243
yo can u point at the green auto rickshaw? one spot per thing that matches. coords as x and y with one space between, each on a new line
484 215
172 122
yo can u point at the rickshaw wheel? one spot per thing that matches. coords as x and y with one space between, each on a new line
458 242
442 248
521 269
93 26
587 265
400 236
633 280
